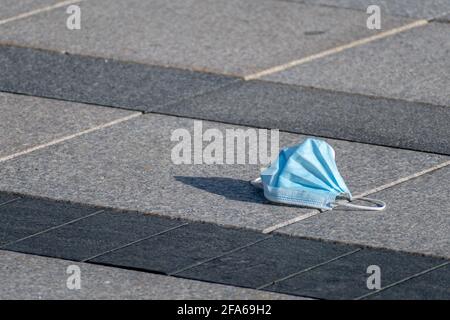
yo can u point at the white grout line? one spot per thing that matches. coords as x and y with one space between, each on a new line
325 53
45 9
290 221
375 190
59 140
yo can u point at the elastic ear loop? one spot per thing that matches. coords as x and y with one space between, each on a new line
257 183
381 205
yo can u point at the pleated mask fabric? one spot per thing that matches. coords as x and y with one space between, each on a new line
307 175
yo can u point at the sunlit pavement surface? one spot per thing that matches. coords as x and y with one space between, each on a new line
94 207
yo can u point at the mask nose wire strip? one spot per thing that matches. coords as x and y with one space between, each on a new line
380 205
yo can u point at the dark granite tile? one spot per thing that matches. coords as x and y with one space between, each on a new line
346 278
389 122
434 285
27 216
99 81
324 113
94 235
180 248
266 261
6 198
212 253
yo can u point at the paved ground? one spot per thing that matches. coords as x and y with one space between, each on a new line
86 173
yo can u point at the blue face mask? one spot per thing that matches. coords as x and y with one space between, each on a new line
306 175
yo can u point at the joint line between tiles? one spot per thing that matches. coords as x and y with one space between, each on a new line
51 229
37 11
75 135
404 280
9 201
356 197
307 269
219 256
134 242
283 67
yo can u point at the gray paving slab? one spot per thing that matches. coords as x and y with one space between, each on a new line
180 248
32 277
99 81
232 37
410 66
266 261
28 216
13 8
27 122
94 235
444 18
129 166
406 8
325 113
346 278
430 286
416 219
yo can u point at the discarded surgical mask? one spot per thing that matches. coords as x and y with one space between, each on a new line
306 175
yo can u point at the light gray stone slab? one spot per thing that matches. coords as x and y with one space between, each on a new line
13 8
411 65
407 8
26 122
231 37
417 219
25 276
129 166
